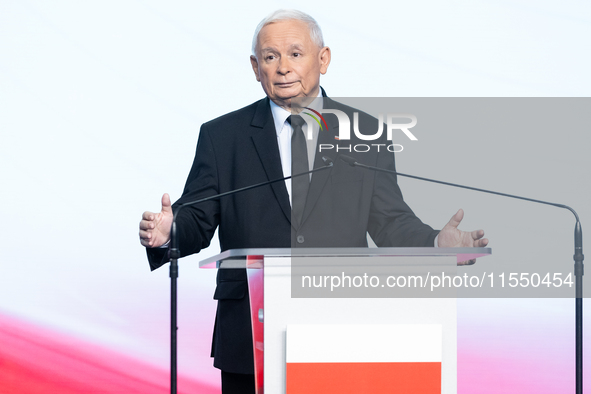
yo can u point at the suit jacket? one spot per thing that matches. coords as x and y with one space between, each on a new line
343 204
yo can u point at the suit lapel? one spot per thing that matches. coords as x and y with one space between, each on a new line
264 138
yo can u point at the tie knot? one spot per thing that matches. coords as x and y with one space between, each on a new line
296 121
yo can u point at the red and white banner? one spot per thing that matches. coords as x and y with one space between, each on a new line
402 358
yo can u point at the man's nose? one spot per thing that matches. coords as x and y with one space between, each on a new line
283 66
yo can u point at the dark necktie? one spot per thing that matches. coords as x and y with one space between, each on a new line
299 164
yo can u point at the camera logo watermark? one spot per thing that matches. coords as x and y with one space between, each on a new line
392 123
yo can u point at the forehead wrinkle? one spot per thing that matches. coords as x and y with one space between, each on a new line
298 33
296 46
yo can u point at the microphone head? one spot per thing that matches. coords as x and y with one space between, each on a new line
327 161
348 159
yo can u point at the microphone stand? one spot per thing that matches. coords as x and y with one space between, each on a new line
175 254
578 256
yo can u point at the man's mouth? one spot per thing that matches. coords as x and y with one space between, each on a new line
285 84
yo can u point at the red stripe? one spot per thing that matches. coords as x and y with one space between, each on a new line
344 378
256 292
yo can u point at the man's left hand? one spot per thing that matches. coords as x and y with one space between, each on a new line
452 237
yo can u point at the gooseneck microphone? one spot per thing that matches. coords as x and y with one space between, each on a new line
328 163
578 255
352 162
175 254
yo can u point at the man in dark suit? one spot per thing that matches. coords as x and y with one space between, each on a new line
252 145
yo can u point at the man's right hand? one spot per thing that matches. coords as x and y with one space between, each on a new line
155 227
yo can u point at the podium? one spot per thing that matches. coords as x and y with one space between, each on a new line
368 334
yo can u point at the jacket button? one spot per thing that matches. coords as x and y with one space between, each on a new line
300 239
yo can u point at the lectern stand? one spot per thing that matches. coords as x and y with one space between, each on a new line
293 336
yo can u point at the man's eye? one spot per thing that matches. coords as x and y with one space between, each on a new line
297 54
270 57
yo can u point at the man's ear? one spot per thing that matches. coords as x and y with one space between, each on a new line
324 59
255 67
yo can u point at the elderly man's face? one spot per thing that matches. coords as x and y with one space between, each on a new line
288 63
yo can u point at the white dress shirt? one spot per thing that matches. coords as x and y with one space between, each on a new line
284 132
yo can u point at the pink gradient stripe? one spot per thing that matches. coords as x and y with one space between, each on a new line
38 360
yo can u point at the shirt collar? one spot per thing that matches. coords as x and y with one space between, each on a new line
280 115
